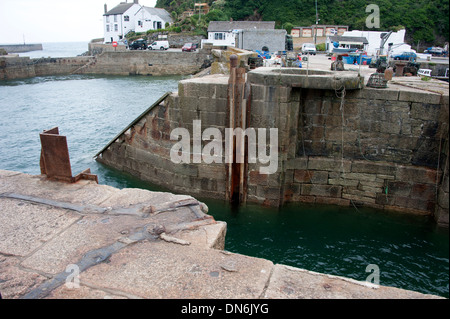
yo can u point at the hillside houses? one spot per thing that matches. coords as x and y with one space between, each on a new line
131 16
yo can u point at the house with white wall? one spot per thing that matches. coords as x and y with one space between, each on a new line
147 18
131 16
118 21
223 33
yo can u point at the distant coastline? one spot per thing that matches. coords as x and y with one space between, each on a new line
19 48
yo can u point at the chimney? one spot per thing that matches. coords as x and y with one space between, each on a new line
106 8
136 1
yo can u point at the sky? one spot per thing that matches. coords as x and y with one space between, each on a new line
41 21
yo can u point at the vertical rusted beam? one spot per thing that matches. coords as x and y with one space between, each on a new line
237 116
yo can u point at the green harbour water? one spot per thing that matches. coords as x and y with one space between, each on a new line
411 252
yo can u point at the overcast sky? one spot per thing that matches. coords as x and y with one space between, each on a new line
40 21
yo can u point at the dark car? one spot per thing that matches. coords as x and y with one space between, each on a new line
405 56
139 44
189 47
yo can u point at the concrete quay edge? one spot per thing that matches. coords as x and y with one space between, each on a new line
83 240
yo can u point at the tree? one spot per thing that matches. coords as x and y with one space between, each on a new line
288 27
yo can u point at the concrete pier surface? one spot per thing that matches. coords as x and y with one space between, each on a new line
84 240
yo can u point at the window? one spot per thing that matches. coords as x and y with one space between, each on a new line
115 18
219 36
126 18
107 28
140 23
107 19
116 27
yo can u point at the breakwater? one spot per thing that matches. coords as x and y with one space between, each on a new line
19 48
338 143
107 63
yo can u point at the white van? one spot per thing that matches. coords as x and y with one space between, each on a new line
159 45
309 48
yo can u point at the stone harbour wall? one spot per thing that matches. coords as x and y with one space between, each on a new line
108 63
378 148
144 150
148 63
14 67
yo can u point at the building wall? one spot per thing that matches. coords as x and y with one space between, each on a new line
227 40
249 40
123 27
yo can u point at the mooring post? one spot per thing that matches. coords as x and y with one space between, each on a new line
237 117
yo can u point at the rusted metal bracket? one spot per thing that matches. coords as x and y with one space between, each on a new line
55 160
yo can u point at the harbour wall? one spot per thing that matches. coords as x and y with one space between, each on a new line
19 48
14 67
148 63
107 63
381 148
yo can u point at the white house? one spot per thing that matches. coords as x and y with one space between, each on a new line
151 19
131 16
373 37
223 33
119 20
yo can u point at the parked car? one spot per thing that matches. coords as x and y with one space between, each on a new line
189 47
309 48
159 45
139 44
405 56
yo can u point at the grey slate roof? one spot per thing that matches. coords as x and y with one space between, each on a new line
340 38
162 13
121 8
215 26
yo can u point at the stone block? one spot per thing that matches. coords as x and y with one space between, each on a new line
420 97
398 188
343 182
441 216
333 201
443 200
358 199
360 176
372 167
255 178
424 191
321 190
416 174
311 176
425 111
358 192
375 94
328 164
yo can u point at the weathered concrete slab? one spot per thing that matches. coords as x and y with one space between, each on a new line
26 226
293 283
86 240
166 270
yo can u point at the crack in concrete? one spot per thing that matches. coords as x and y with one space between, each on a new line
90 259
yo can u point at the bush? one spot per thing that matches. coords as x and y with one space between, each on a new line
320 47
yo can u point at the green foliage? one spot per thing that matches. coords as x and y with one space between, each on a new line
288 27
320 47
424 20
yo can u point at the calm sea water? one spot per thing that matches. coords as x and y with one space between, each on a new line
410 251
